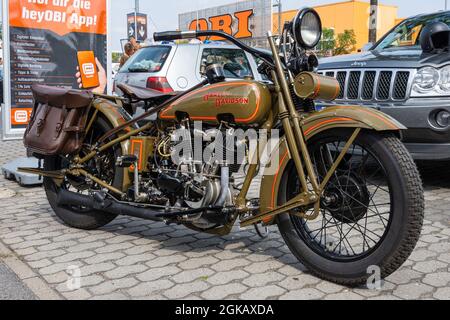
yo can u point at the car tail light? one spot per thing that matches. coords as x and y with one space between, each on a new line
159 84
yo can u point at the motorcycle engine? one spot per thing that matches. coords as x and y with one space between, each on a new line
190 183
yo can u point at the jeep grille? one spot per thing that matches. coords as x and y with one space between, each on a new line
368 85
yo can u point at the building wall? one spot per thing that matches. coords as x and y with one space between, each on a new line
349 15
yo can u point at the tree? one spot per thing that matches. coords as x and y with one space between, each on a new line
327 43
116 57
345 43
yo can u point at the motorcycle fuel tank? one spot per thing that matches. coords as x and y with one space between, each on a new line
248 102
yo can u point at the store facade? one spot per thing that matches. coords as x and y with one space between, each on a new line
250 20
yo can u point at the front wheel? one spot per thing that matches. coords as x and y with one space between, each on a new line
372 210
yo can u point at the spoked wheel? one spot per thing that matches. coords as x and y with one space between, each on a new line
102 166
371 210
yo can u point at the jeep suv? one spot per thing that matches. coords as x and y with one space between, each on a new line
397 77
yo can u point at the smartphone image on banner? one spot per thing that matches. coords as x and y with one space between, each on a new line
88 69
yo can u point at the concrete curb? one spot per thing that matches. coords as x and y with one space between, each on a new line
30 279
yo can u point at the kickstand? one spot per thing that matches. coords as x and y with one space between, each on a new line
262 231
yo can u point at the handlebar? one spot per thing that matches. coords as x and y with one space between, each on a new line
174 35
178 35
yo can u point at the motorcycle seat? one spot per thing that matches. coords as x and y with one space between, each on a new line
60 97
143 94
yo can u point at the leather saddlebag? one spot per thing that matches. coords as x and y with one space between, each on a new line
58 121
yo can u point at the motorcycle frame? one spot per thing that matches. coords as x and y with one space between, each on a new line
291 121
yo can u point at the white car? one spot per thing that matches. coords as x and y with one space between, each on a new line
178 67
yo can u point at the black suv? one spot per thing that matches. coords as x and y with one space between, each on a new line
400 78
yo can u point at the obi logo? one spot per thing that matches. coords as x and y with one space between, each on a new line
240 21
88 69
21 116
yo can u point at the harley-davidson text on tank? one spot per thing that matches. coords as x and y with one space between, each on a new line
225 98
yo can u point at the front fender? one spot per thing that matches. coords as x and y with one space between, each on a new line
315 123
349 117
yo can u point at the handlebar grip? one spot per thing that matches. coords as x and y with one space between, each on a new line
174 35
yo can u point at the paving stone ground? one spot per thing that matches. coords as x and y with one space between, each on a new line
135 259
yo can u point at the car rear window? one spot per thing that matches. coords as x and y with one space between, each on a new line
150 59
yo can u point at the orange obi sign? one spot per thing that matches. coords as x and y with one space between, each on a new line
225 23
46 45
59 16
248 19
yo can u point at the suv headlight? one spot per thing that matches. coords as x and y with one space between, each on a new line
430 81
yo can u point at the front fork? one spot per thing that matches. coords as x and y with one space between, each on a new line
298 149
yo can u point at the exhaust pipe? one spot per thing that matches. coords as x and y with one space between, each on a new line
67 198
224 186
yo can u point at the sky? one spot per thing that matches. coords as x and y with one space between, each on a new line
164 13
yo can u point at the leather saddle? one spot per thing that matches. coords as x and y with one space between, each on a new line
143 94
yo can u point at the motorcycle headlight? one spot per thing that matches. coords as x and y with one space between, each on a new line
307 28
430 81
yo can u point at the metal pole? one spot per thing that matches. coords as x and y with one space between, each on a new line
279 17
279 5
136 11
446 4
373 21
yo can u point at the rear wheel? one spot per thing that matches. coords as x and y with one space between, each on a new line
371 211
103 166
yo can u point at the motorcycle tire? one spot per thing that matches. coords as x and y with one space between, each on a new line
79 218
402 233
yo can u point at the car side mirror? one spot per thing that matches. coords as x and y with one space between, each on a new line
366 47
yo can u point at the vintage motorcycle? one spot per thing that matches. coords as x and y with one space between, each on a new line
342 188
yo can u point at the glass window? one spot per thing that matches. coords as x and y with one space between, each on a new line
150 59
407 34
233 61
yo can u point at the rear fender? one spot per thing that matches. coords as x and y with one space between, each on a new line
117 116
330 118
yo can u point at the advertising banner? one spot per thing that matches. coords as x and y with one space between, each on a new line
53 42
138 21
249 19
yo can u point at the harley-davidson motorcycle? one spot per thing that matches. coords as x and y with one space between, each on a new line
341 187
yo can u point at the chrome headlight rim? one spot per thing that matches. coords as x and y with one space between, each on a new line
444 79
302 33
419 86
437 89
